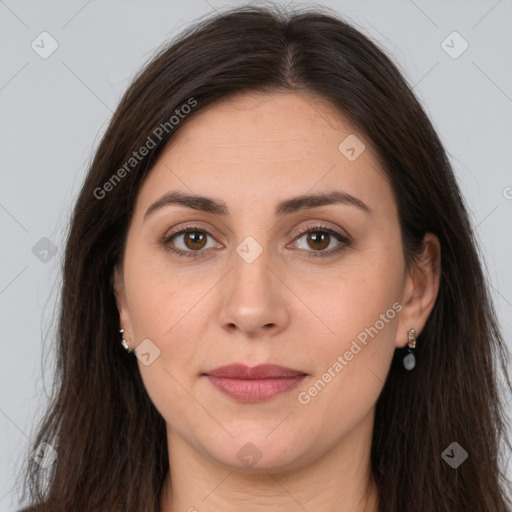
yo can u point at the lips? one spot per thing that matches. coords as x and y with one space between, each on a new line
254 384
262 371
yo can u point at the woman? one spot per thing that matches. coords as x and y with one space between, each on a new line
272 224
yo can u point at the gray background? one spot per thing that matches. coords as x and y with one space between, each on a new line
54 111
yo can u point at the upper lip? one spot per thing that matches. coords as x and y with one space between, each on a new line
262 371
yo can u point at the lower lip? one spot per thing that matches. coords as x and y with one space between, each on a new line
252 391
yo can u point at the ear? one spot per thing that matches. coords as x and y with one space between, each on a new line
421 285
122 307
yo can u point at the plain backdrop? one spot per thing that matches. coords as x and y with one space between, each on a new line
56 106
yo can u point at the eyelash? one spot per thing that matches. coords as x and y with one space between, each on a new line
345 241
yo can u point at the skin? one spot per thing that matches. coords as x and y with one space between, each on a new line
286 307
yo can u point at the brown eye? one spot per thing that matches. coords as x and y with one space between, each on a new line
318 240
194 239
321 241
189 242
193 242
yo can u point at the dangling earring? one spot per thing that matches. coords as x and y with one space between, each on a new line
124 342
409 359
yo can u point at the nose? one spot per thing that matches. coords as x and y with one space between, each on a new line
254 299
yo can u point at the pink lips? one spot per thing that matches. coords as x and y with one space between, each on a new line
254 384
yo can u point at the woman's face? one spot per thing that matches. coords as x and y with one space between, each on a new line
267 274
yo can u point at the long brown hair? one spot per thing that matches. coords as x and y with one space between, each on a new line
110 439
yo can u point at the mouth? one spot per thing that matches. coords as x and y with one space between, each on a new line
256 384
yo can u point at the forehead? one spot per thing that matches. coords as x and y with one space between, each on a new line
267 147
292 123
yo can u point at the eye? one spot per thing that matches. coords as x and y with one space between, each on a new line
188 242
191 241
320 238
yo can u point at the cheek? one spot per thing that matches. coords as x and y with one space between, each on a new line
357 341
361 296
350 366
161 307
157 295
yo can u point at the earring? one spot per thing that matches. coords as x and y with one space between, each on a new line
409 359
124 342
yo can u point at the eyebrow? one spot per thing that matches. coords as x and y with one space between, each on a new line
294 204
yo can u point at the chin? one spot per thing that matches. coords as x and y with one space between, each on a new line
253 454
